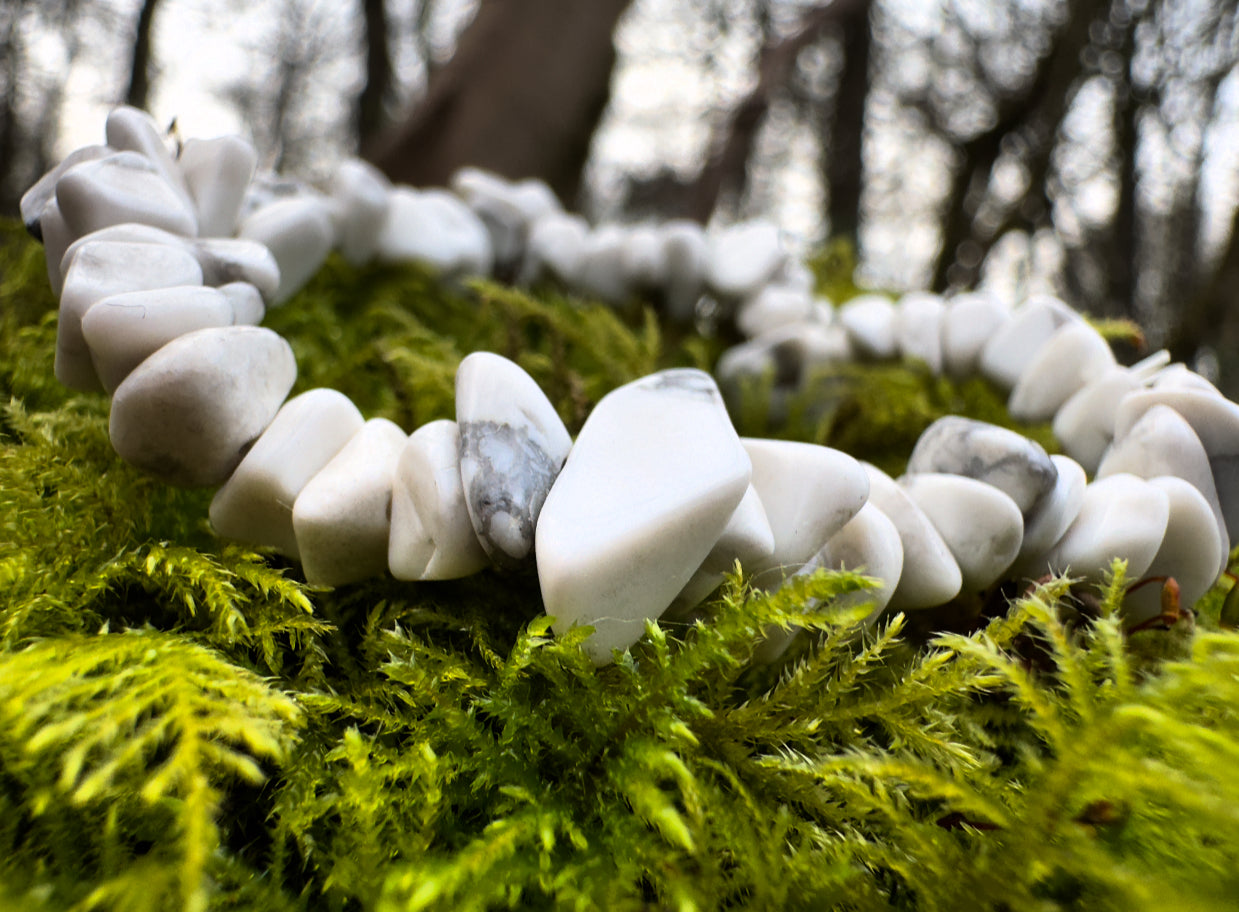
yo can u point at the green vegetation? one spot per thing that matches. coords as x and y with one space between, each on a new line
184 724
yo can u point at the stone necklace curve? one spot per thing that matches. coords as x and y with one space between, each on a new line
165 264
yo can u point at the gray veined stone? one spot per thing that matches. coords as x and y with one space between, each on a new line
512 446
1015 465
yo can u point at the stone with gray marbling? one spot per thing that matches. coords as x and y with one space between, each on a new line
123 187
512 446
191 411
1015 465
651 482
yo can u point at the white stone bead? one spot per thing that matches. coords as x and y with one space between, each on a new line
1052 517
809 493
217 171
649 486
255 504
131 129
870 322
773 307
1070 359
930 575
1084 425
123 330
747 538
437 230
1012 347
1163 443
432 537
100 269
341 517
246 303
982 526
124 187
36 200
361 193
1191 536
968 324
1017 466
744 257
298 233
1122 516
869 543
687 255
918 329
1215 421
189 413
512 446
556 246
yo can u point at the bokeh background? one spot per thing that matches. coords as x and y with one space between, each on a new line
1089 148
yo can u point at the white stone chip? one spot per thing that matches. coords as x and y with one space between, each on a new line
246 303
123 330
1052 517
342 516
654 476
1122 516
747 538
868 543
1084 425
1162 442
930 574
299 234
809 492
34 202
255 504
217 172
918 328
190 412
1013 346
125 187
982 526
437 230
744 257
1070 359
432 536
870 323
361 193
132 129
969 322
100 269
512 446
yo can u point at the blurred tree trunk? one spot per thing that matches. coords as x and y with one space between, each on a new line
844 165
521 96
378 91
138 91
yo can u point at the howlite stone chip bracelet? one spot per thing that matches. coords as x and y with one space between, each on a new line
164 263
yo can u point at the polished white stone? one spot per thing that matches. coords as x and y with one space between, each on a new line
870 323
1162 442
342 516
100 269
1180 376
506 208
56 240
1191 537
644 258
255 504
969 322
555 247
870 543
809 492
744 257
225 260
981 526
217 171
432 536
600 272
654 476
36 200
437 230
247 306
361 193
1122 516
773 307
1069 360
1052 517
299 234
1013 346
132 129
1015 465
930 574
124 187
189 412
1084 425
123 330
687 255
747 538
512 446
918 328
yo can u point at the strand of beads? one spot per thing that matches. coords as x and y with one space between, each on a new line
165 264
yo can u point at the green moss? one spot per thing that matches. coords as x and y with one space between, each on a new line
187 725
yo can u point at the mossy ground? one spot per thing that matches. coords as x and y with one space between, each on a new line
184 724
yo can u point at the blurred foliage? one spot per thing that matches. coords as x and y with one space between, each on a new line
187 725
